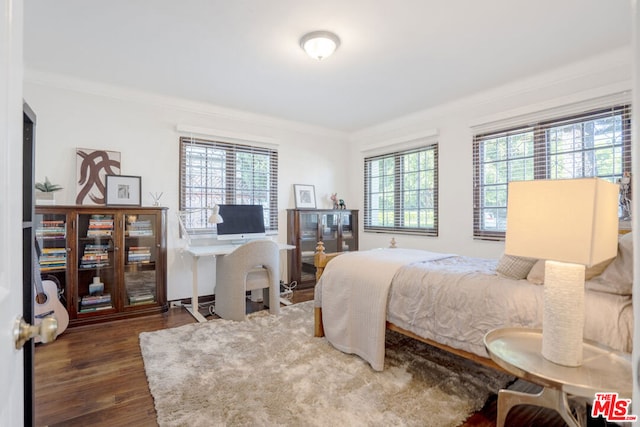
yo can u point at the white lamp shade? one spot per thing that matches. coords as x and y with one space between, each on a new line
568 220
215 217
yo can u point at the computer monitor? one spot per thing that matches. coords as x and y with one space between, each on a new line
241 222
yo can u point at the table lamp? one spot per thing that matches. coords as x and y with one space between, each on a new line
570 223
214 218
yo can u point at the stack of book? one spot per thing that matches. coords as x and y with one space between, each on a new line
53 229
100 226
139 228
95 255
139 255
140 297
53 259
95 303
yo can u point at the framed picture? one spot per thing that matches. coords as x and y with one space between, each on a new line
305 196
123 190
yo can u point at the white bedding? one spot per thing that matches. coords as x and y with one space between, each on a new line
356 295
457 300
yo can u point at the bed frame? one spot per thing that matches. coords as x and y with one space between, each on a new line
321 259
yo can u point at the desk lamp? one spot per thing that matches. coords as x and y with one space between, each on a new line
214 218
570 223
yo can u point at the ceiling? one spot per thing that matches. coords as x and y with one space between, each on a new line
396 56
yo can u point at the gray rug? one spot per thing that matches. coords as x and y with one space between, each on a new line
270 371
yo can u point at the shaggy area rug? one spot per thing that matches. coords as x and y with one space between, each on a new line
270 370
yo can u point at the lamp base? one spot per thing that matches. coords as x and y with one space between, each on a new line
563 318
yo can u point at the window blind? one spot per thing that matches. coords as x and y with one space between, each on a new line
213 172
594 143
401 191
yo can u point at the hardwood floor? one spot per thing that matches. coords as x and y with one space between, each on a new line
94 376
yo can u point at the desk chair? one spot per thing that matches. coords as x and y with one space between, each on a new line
254 265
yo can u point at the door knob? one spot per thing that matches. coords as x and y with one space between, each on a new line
46 330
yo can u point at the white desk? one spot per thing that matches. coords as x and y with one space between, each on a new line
198 252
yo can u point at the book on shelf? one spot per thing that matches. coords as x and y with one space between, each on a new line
139 228
139 255
141 299
95 303
95 308
140 295
94 300
100 226
95 255
52 229
52 259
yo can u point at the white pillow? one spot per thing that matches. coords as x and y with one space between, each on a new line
536 275
617 278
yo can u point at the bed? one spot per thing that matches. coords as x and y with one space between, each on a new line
452 301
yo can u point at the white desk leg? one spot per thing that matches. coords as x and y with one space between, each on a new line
194 296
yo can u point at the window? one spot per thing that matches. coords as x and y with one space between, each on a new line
593 144
224 173
401 191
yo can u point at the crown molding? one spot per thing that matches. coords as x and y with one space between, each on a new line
227 136
75 84
614 62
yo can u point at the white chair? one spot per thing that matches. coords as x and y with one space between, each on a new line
253 265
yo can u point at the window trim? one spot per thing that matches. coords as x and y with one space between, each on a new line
398 193
229 191
540 153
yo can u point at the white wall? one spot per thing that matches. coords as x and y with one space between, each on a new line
592 78
142 127
74 114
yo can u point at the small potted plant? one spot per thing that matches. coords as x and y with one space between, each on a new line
46 191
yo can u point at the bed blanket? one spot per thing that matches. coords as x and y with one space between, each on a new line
354 302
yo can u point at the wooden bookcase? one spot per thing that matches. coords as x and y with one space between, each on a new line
110 263
337 228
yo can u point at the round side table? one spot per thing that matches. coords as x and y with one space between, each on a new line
519 352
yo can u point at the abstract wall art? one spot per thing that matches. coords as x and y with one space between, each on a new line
92 166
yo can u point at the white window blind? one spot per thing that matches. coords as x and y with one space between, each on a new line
401 191
213 172
594 143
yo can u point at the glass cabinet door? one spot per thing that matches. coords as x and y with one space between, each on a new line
330 223
96 278
308 241
51 250
141 255
348 235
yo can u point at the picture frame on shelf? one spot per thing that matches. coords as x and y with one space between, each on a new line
305 196
123 190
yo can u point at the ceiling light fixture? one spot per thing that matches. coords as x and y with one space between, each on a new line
319 44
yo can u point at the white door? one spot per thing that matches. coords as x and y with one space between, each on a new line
11 364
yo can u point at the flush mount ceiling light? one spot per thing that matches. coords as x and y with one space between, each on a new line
319 44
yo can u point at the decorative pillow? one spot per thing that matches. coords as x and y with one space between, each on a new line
536 275
617 277
596 270
514 267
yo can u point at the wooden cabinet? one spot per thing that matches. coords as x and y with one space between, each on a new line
109 263
338 229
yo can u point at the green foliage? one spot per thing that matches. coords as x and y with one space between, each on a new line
47 186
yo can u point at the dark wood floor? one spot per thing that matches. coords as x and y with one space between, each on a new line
94 376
